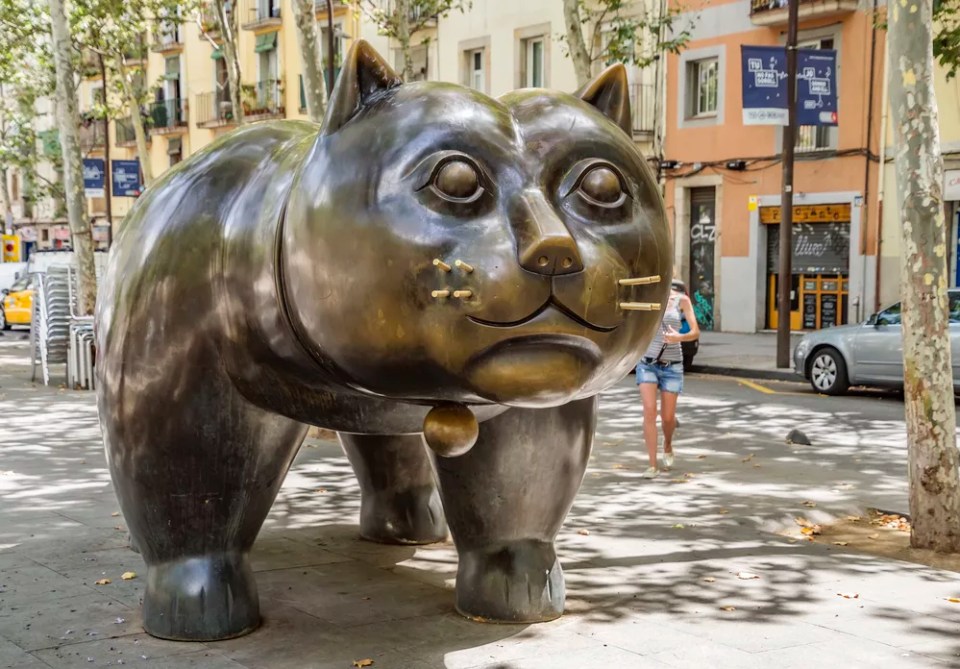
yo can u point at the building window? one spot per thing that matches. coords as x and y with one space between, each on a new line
476 72
420 57
533 62
175 150
703 83
815 137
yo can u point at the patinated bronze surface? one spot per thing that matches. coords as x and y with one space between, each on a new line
430 260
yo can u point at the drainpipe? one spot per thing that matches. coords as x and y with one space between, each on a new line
881 176
865 217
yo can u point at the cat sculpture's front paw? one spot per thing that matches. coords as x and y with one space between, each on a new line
411 517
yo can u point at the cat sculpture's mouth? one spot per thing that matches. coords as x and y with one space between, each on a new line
551 303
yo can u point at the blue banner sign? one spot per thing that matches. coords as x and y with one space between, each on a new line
816 87
764 85
126 178
94 177
764 70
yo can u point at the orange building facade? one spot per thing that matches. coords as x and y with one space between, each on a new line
723 179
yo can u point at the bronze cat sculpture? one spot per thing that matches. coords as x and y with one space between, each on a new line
429 260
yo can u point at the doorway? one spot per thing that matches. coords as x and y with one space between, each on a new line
703 239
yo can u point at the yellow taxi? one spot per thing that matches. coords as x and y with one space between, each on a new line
17 305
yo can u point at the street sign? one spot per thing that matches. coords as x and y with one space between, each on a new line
816 87
764 85
94 177
764 70
126 178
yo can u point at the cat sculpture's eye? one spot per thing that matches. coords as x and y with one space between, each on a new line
602 185
457 180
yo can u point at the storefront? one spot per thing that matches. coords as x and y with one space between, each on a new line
819 282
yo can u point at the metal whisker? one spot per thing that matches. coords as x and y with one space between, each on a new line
440 293
462 294
441 265
464 266
640 306
640 280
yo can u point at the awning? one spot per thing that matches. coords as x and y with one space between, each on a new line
265 42
217 53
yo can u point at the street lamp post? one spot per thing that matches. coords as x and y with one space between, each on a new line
786 200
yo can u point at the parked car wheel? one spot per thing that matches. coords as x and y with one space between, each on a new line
828 372
4 325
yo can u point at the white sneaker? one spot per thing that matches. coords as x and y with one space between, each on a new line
668 460
650 473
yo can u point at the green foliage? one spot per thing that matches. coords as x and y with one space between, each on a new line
623 31
394 23
946 35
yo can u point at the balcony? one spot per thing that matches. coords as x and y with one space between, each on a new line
263 101
258 14
91 136
643 107
125 134
168 117
774 12
167 39
214 110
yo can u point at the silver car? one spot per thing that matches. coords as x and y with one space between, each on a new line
866 354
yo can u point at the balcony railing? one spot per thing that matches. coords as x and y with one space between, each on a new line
774 12
214 109
168 116
266 99
91 136
643 106
257 14
125 134
167 38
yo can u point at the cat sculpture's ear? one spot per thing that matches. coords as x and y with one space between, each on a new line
364 73
609 92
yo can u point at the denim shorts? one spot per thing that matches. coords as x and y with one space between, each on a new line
667 376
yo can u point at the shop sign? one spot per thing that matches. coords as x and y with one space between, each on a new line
94 177
809 213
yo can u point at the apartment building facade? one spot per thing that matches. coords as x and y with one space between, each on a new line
724 179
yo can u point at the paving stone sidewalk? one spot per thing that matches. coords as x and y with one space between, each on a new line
651 566
746 355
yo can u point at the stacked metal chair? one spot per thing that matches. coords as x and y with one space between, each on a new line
80 353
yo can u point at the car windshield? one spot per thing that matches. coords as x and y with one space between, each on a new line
891 315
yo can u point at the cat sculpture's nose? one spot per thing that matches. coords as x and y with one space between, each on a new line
544 245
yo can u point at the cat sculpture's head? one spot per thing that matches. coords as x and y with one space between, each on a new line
440 244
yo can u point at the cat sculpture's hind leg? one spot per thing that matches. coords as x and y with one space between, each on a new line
196 469
505 501
399 502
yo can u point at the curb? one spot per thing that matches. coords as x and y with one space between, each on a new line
747 373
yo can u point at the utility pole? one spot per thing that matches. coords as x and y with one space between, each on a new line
107 186
331 51
786 198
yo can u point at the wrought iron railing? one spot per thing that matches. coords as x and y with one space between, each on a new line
259 12
125 133
214 108
267 98
643 104
167 114
92 136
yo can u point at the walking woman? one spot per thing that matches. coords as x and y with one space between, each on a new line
661 367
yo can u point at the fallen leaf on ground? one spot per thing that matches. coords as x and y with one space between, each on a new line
728 608
757 466
873 536
679 480
679 526
849 595
583 532
701 457
853 519
619 467
806 527
118 528
128 575
953 600
841 543
103 581
366 662
688 475
709 579
746 575
115 514
748 458
810 504
723 511
321 490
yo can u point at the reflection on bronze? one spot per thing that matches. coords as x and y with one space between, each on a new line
640 306
288 275
450 430
639 281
